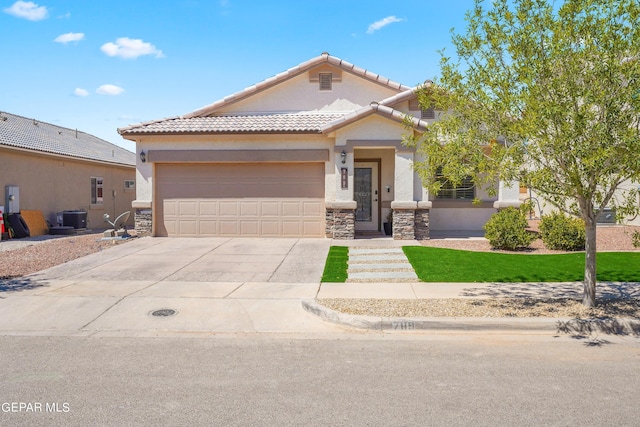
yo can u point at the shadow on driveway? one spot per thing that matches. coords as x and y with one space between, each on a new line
10 284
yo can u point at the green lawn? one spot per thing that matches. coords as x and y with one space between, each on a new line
450 265
335 269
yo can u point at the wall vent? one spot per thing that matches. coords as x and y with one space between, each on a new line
428 113
326 80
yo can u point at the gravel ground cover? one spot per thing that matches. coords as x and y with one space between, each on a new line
497 307
21 257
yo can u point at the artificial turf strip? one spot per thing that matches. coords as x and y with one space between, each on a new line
335 269
451 265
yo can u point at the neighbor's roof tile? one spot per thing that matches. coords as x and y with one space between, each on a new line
31 134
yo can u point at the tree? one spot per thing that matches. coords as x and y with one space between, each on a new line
545 94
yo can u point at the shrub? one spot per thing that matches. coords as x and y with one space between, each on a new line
635 239
506 229
560 232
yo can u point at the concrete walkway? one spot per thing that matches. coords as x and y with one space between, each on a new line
375 264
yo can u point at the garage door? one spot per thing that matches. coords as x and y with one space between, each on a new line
252 200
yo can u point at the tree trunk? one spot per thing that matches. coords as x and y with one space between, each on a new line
589 298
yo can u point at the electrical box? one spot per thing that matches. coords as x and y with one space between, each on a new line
12 199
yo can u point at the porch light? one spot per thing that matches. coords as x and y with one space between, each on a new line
143 156
343 156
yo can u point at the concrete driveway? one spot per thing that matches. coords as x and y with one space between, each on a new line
213 285
202 260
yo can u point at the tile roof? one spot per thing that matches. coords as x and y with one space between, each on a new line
292 72
374 108
31 134
204 119
306 122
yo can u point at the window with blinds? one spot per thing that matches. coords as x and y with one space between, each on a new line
466 190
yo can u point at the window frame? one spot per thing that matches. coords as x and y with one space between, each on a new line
97 191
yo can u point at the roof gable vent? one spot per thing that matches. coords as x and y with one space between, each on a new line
428 113
326 80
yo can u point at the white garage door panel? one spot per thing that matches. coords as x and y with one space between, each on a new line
268 201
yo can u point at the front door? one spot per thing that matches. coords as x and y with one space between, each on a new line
365 192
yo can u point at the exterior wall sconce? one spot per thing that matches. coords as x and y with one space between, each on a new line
143 156
343 156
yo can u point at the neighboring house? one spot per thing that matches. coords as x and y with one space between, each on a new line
57 169
607 217
313 151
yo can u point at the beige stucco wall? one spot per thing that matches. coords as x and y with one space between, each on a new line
299 94
53 184
469 218
371 128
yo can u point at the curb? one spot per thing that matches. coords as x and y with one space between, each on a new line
436 323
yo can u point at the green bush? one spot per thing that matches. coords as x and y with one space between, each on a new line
506 229
635 239
563 233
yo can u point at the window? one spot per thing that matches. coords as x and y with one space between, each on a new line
325 80
96 191
129 184
466 190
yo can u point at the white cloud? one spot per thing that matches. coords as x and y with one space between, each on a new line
382 23
80 92
109 90
27 10
69 37
127 48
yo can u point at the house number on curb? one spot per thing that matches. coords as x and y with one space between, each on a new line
403 325
344 178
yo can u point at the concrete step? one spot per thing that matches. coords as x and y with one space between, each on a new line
385 266
384 275
360 259
374 251
379 264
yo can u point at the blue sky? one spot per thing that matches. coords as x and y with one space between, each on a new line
99 65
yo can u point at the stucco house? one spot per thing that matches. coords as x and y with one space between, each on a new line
52 169
313 151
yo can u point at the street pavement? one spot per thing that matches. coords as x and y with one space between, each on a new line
223 285
307 380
